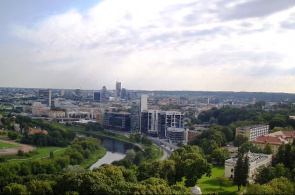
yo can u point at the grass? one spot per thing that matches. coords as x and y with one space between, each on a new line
6 146
93 158
41 152
209 185
99 133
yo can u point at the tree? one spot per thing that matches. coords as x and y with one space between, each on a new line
223 181
280 186
241 171
130 155
267 149
15 189
220 155
240 139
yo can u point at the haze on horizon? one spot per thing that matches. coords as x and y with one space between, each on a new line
196 45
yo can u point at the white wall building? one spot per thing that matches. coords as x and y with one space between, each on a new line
255 160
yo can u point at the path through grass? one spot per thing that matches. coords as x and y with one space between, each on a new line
6 146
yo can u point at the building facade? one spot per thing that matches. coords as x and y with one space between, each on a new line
176 135
156 122
45 96
252 131
255 161
117 121
275 140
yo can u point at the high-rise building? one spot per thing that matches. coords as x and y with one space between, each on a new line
96 96
143 102
124 93
45 96
103 94
135 117
118 90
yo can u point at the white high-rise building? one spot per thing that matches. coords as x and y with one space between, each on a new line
143 102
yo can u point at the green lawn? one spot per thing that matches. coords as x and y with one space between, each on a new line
41 152
208 184
6 146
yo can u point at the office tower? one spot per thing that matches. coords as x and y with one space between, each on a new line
117 121
96 96
45 96
103 94
124 93
135 117
156 122
118 90
143 102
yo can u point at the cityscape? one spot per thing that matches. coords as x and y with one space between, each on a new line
164 97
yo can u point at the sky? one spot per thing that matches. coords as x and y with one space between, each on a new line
196 45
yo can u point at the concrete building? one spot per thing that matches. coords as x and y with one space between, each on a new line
275 139
103 94
156 122
57 114
175 135
118 90
117 121
96 96
255 161
45 96
252 131
143 102
135 117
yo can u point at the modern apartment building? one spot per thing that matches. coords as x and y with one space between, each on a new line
252 131
176 135
156 122
117 121
45 96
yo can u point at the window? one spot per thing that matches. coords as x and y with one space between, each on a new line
232 170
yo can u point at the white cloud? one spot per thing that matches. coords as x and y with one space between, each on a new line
167 44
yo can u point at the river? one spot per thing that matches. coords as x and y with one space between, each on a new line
116 150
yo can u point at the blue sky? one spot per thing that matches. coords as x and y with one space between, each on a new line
220 45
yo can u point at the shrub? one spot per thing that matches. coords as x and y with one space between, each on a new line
20 152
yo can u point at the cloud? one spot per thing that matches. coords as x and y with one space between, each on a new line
254 8
168 44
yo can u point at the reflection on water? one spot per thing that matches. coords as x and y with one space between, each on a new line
116 150
108 159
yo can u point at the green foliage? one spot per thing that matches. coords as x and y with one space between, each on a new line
15 189
20 153
240 140
210 139
223 181
13 135
276 186
219 155
241 171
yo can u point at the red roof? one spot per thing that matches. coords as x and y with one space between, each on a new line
264 139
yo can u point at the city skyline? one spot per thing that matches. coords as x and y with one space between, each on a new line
191 45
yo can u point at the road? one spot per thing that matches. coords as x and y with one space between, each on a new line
165 146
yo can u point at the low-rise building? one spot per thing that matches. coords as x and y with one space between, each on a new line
255 161
176 135
275 139
252 131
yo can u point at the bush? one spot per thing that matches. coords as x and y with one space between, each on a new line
20 153
12 135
